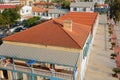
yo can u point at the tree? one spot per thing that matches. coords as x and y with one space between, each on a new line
66 5
96 5
115 10
86 0
2 20
31 22
9 16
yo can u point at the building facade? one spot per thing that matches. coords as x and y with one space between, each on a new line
54 50
82 7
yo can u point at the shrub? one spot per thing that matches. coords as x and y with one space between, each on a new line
110 32
113 44
116 70
113 55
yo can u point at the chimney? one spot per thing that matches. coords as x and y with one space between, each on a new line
67 25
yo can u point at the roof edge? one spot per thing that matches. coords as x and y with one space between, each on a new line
42 46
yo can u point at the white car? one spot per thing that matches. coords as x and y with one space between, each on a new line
16 29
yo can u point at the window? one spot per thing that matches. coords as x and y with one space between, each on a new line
26 10
22 11
43 14
38 13
84 9
74 9
33 13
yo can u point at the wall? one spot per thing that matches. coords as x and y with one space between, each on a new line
81 9
26 11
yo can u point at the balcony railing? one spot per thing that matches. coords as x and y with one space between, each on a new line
22 69
63 75
8 66
41 72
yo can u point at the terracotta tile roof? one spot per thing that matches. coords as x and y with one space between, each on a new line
118 61
38 9
86 18
104 5
42 3
7 6
53 33
116 50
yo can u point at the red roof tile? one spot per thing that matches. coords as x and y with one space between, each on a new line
118 61
42 3
116 50
7 6
104 5
38 9
53 33
86 18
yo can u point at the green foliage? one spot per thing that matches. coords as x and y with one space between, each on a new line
31 22
9 16
113 55
86 0
115 10
66 5
107 1
96 4
110 32
55 1
113 44
2 20
116 70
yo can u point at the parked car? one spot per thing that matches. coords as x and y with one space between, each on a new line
1 36
16 29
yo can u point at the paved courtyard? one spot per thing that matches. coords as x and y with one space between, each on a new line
100 65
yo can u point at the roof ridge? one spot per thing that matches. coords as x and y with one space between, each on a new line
67 33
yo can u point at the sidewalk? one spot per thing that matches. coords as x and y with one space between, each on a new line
100 65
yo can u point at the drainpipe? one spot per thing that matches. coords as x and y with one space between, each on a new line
32 77
13 72
74 77
52 70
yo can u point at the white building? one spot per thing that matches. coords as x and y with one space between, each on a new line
82 7
4 1
55 13
25 11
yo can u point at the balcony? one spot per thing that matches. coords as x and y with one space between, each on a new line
42 71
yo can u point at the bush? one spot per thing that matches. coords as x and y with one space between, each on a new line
116 70
110 32
113 44
113 55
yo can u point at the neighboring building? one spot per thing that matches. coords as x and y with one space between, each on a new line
10 2
2 7
44 4
25 11
15 2
4 1
55 13
36 2
37 11
103 5
27 2
102 8
56 50
82 7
